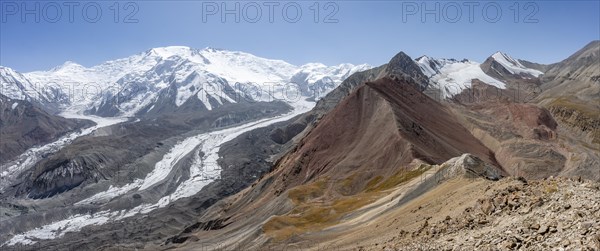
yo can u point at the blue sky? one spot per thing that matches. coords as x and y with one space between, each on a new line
365 32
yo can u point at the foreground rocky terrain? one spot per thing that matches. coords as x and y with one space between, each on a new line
513 214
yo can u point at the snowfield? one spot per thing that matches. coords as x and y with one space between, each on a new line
455 77
452 76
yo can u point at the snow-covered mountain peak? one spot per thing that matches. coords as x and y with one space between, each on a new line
361 66
309 66
169 51
514 66
316 71
213 49
340 67
16 86
424 59
503 57
6 71
68 66
498 54
429 66
241 67
10 78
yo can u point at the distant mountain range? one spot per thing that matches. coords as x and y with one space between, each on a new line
166 78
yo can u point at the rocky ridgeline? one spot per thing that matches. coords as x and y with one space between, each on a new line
578 120
550 214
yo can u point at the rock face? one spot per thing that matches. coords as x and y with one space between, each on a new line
401 65
580 118
23 125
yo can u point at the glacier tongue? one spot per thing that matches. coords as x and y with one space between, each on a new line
203 171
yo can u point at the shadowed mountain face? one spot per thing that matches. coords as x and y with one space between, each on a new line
23 125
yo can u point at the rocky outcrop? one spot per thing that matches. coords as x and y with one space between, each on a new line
579 118
470 167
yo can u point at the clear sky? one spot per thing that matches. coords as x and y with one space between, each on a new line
347 31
